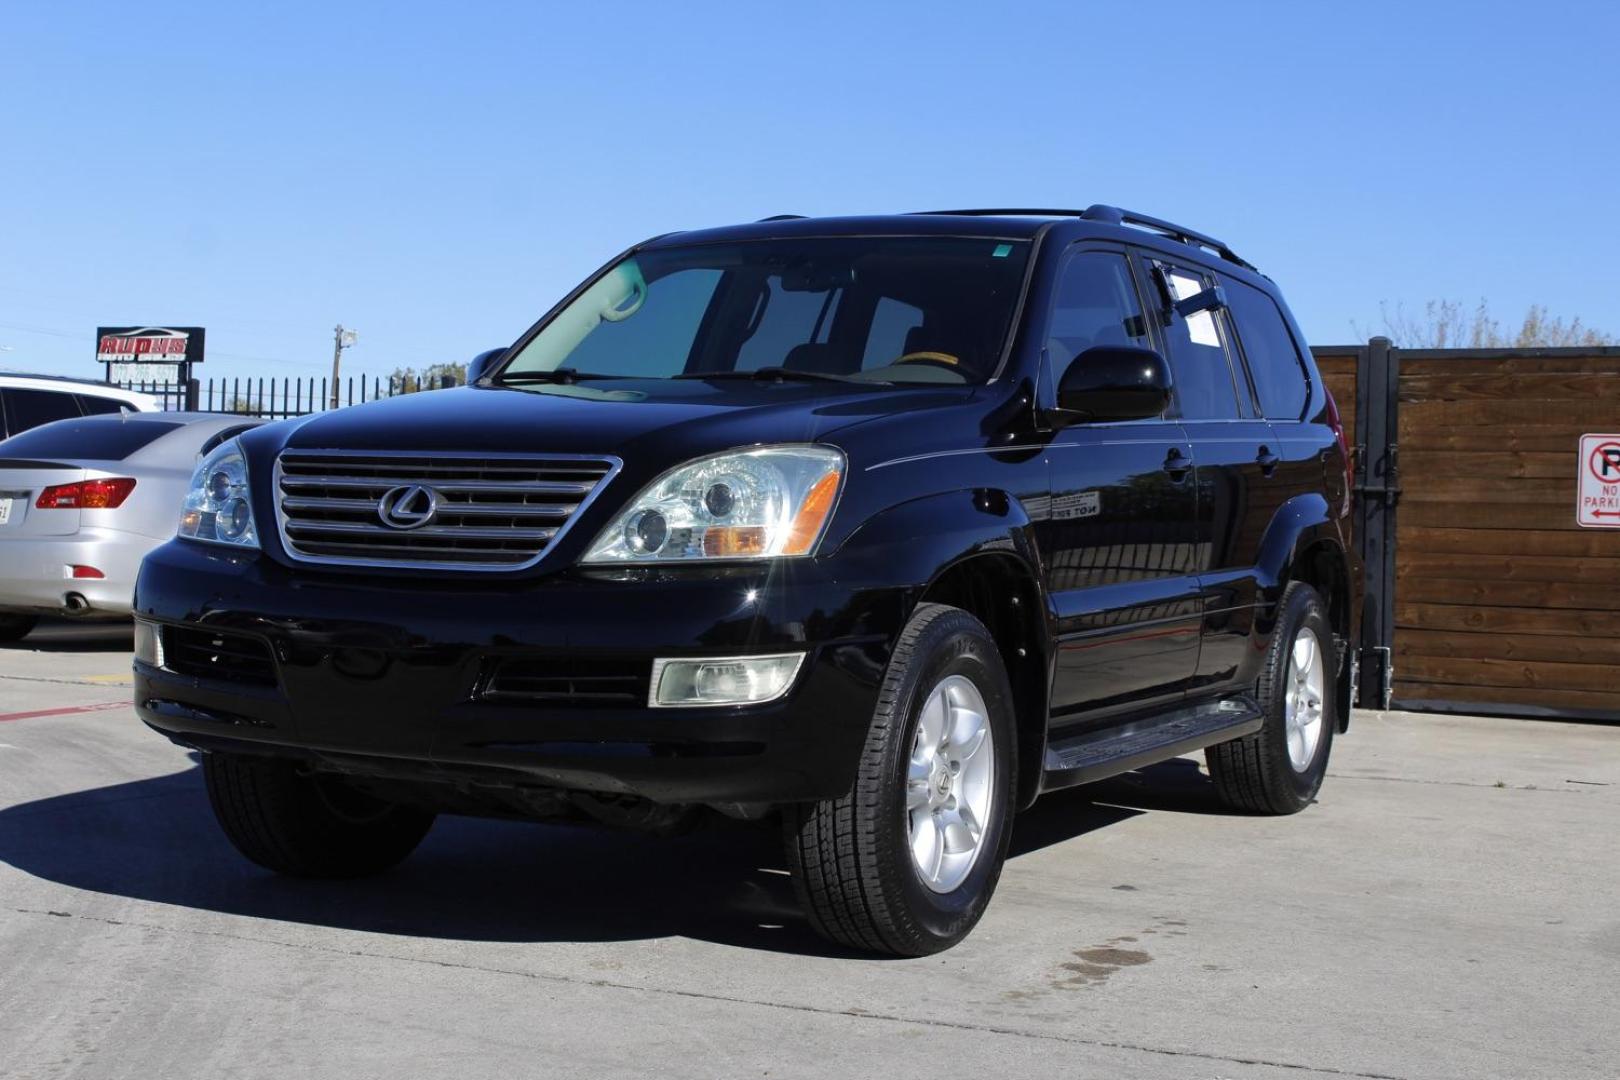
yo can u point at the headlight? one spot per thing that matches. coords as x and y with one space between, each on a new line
216 507
747 504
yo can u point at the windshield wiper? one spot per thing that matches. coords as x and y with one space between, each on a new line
565 375
781 374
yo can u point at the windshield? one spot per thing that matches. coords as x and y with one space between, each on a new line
873 309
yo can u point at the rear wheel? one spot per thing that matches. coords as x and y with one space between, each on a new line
307 825
1279 769
907 861
16 627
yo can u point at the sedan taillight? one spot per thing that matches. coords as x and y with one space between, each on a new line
106 494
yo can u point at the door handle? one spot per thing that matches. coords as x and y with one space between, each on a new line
1267 460
1177 464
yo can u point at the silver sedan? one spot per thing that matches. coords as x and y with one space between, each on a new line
81 503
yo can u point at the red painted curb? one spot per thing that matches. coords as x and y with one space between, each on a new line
64 711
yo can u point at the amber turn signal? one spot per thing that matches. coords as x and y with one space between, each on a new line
818 503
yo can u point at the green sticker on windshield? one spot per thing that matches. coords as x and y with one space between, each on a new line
1002 251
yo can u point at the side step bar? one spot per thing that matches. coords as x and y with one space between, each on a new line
1099 754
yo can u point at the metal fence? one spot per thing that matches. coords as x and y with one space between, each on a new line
277 398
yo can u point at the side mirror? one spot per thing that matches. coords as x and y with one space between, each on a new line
480 365
1114 382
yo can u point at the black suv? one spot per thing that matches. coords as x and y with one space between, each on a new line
877 527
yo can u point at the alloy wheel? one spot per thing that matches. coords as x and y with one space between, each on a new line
950 783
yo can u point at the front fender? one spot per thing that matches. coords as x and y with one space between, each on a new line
912 543
976 549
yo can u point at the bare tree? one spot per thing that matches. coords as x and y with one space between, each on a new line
1446 324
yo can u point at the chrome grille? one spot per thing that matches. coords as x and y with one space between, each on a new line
494 511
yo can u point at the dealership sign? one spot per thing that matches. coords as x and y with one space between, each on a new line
161 354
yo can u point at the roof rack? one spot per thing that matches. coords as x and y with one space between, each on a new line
1113 215
781 217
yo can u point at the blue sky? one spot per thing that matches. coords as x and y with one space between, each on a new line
436 176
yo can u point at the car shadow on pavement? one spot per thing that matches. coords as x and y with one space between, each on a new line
475 879
69 635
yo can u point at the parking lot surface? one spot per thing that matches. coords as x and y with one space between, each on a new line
1448 909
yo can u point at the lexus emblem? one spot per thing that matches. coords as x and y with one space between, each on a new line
408 507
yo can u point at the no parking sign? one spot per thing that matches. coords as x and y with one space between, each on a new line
1598 505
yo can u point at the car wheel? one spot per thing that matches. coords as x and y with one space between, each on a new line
906 862
1279 769
16 627
307 825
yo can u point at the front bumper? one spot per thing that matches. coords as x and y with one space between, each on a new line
35 572
392 675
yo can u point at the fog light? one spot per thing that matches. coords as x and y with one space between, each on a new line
729 680
149 643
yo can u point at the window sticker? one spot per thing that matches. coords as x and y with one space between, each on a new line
1200 324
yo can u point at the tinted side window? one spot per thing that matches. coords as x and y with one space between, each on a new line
1095 304
31 408
96 406
1198 362
1274 361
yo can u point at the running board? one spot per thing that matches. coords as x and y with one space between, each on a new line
1099 754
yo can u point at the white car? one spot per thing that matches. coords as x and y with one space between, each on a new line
27 401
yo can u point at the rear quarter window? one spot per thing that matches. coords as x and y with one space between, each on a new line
1274 361
28 408
97 406
94 440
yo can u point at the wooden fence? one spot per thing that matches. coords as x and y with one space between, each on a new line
1498 600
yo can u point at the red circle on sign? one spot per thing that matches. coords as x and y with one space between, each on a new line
1597 462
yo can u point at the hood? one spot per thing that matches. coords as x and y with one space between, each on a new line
666 419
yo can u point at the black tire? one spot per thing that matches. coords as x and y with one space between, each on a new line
851 860
1255 774
16 627
306 825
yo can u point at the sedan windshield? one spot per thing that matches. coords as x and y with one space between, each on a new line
877 310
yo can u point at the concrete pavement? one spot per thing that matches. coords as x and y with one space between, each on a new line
1448 909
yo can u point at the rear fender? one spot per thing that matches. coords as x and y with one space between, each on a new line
1302 529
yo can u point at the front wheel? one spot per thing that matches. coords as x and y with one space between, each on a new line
907 861
1279 769
307 824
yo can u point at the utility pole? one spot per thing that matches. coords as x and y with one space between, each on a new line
341 339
